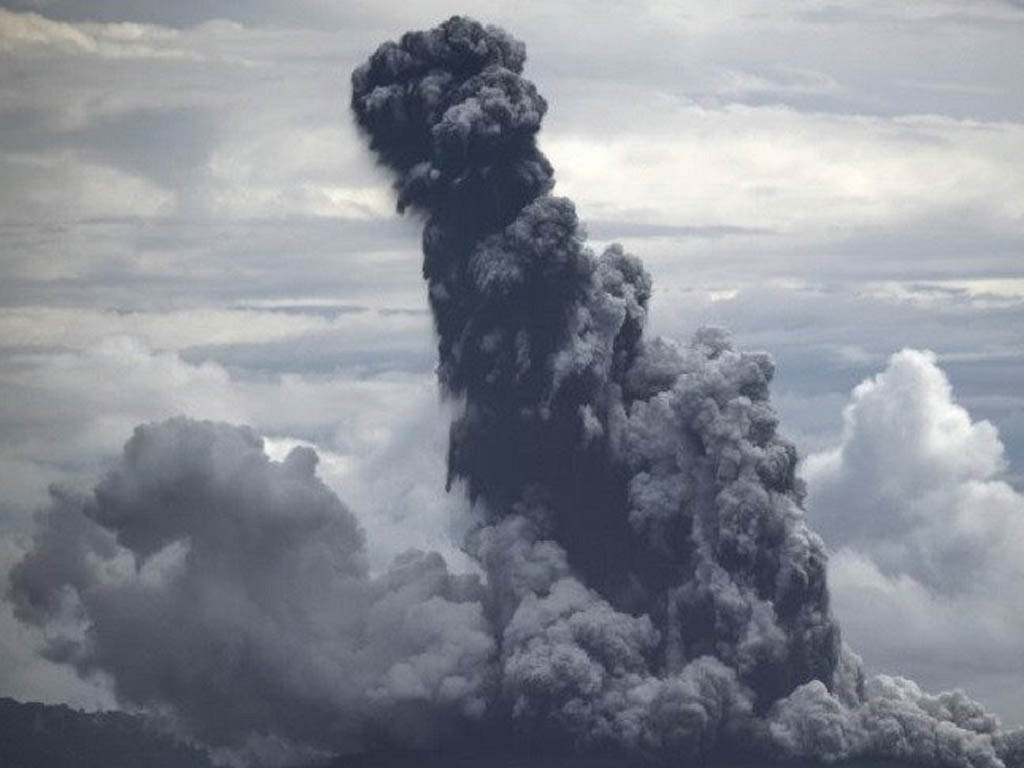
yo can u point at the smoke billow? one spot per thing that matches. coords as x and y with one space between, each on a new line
649 581
233 591
652 578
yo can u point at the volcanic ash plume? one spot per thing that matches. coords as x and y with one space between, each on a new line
652 581
231 592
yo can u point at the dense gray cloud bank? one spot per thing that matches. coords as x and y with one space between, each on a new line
650 582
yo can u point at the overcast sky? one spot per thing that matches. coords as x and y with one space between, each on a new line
191 225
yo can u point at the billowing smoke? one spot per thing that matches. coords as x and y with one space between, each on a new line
232 591
649 583
657 471
653 581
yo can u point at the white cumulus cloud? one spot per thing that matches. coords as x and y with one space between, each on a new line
927 537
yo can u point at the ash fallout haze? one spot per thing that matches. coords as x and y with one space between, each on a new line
272 495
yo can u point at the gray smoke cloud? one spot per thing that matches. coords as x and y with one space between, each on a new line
656 584
650 584
231 591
